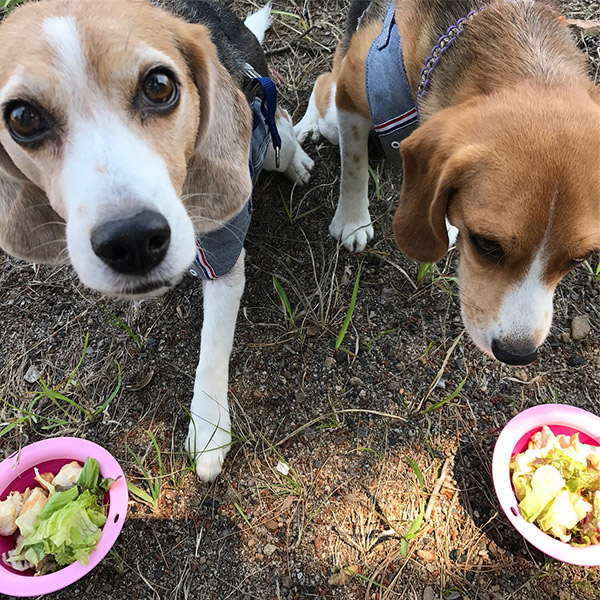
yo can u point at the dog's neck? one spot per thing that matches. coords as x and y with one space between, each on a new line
503 44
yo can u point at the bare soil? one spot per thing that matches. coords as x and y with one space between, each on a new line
347 422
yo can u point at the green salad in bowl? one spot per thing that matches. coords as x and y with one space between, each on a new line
557 483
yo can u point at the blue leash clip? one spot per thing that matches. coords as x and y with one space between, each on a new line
268 106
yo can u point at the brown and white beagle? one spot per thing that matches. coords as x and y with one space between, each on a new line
125 134
506 149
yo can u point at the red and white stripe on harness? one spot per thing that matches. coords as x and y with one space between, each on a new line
402 120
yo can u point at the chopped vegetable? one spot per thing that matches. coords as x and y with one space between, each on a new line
557 483
58 523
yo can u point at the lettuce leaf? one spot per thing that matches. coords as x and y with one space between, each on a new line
71 531
88 478
546 483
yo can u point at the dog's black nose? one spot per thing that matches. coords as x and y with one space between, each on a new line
514 352
135 245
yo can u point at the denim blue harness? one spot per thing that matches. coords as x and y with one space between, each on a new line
391 101
217 251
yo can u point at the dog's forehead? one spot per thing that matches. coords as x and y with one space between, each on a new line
65 43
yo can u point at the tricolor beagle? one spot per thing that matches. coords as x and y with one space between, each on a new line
506 149
125 143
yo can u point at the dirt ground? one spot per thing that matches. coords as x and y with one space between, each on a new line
348 422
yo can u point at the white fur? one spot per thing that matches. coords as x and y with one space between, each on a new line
106 178
68 51
312 123
209 436
259 21
351 224
526 309
293 161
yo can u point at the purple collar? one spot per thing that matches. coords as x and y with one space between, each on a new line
439 49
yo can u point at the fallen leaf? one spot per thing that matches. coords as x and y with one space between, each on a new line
585 26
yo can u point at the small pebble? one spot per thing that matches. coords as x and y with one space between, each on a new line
580 327
428 593
269 549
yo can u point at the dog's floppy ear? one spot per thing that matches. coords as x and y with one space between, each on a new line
29 227
431 172
218 183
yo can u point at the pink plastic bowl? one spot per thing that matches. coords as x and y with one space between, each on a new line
17 473
513 439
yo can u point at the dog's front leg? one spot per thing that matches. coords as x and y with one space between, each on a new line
351 224
209 435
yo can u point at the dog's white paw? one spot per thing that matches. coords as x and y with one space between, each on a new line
353 233
306 127
208 445
300 167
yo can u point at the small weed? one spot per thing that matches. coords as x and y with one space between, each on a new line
378 455
119 564
154 483
425 270
453 395
284 301
8 5
242 514
334 423
415 525
346 323
138 339
369 343
376 181
594 271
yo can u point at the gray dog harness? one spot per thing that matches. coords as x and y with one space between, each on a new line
218 251
391 102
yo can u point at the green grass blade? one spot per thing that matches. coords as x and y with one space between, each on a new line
425 269
113 395
158 453
284 299
415 467
345 325
85 345
142 494
453 395
242 514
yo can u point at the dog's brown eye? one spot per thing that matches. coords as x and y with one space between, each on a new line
160 88
489 249
25 122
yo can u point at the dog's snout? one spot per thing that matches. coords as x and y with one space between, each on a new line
521 352
135 245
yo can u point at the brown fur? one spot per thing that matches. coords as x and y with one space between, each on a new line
204 143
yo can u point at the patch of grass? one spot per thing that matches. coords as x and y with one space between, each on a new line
453 395
369 343
7 5
594 271
375 179
154 483
415 525
346 323
334 423
242 514
287 308
136 337
425 270
62 402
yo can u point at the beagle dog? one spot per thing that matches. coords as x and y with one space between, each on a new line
500 123
125 144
